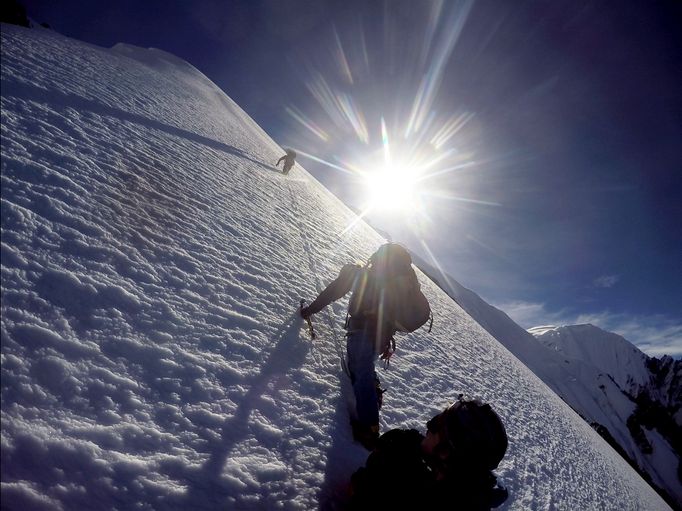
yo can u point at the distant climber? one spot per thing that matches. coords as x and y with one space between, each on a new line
289 161
449 468
386 299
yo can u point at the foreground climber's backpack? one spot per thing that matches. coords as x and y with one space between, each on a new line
391 295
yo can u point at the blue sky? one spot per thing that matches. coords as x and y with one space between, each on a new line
555 128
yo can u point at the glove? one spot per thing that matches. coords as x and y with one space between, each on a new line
305 312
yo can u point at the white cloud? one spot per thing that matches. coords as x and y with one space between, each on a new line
656 335
530 314
606 281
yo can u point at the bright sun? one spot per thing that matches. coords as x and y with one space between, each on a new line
391 189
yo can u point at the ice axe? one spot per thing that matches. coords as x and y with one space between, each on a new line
310 323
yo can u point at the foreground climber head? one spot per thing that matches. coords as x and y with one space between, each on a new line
467 434
449 468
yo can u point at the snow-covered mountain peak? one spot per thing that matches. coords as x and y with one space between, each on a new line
160 60
609 352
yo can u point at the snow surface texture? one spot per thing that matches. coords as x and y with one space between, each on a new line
152 358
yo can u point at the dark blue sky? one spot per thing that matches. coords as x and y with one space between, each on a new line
570 203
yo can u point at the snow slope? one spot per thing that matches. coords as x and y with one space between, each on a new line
152 260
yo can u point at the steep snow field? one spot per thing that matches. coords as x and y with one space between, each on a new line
152 261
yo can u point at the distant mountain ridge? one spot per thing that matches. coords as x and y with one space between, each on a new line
633 370
632 400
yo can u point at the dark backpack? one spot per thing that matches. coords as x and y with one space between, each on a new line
398 302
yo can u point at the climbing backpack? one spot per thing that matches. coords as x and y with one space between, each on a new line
397 302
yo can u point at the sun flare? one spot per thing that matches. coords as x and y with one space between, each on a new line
391 189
